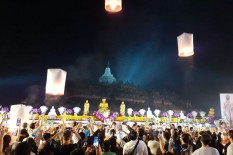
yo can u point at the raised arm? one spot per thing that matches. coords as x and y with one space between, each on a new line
2 133
161 144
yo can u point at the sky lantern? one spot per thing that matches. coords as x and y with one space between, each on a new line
185 45
56 79
19 114
113 5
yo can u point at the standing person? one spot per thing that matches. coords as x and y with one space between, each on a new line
67 146
186 148
135 146
230 147
205 149
228 110
154 144
106 148
23 132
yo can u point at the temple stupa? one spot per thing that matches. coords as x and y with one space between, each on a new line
107 78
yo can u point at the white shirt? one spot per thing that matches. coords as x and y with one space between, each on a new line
230 149
120 135
141 148
154 147
206 151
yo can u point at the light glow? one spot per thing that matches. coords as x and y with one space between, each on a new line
113 5
55 84
185 45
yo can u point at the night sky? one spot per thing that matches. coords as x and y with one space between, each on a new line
140 43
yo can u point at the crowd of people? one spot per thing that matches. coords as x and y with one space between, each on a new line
119 138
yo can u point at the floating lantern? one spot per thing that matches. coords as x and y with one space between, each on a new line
185 45
56 79
113 5
18 112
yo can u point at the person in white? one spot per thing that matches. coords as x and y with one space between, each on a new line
205 149
154 144
230 147
141 148
120 135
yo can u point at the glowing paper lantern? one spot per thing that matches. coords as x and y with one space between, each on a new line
185 45
18 111
113 5
56 79
76 110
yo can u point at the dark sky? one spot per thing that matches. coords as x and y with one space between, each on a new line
140 42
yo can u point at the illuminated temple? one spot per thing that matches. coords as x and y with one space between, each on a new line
107 78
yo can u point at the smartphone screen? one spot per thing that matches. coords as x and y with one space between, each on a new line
18 122
96 141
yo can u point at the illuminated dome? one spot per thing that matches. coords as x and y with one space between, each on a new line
107 78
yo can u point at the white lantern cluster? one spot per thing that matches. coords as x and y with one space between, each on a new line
142 112
130 111
76 110
62 110
202 114
43 109
194 113
157 112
